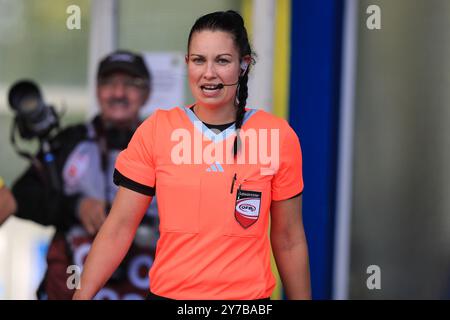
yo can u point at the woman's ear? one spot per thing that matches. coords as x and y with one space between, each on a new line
186 59
245 63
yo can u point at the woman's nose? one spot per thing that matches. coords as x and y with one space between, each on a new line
210 71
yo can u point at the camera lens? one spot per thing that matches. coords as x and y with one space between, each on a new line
24 97
35 118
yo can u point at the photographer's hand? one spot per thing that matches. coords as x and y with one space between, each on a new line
92 214
8 204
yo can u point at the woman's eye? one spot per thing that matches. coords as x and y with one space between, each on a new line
197 60
222 61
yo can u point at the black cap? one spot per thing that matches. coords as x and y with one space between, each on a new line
125 61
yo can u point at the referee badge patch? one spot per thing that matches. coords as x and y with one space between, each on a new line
247 207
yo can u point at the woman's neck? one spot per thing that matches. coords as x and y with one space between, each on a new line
215 115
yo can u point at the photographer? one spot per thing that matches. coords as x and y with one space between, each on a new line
84 157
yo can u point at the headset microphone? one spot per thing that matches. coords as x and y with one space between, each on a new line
244 66
221 85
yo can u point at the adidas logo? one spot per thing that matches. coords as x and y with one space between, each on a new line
215 167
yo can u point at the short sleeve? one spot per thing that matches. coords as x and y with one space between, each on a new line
288 180
134 167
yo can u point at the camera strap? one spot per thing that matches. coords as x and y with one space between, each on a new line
102 143
35 162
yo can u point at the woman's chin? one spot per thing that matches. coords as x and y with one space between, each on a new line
214 102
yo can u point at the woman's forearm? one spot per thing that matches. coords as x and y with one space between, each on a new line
293 267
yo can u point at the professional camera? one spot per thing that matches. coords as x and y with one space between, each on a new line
34 118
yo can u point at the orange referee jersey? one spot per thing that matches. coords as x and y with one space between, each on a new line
213 209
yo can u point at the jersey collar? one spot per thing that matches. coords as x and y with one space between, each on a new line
210 134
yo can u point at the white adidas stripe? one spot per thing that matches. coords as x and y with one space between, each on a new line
215 167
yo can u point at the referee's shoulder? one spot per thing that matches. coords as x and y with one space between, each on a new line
269 120
163 113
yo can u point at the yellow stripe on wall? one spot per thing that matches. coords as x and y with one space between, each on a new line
246 12
282 57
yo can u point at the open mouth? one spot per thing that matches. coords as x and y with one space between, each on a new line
210 87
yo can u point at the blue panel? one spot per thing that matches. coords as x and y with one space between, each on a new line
313 113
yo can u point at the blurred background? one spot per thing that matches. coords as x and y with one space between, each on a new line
370 105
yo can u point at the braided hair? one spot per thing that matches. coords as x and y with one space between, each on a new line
230 21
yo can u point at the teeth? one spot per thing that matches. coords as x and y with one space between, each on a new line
209 87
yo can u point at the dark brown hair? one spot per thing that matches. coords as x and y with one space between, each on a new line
230 21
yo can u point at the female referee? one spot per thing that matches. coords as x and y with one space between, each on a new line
216 185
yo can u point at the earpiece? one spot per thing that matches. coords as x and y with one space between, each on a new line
244 66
